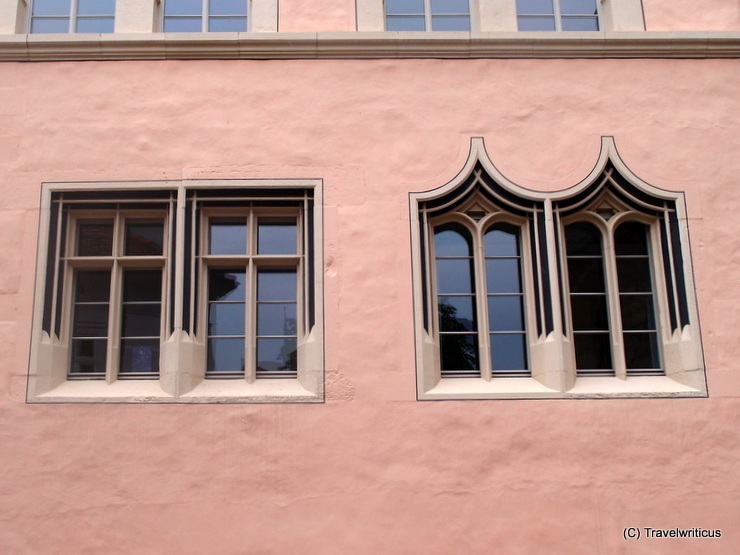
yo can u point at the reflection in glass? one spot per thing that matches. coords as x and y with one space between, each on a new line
228 237
226 323
277 325
141 323
225 357
90 310
505 301
144 238
456 302
95 238
404 7
277 237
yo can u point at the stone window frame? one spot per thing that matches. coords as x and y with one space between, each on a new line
488 16
183 351
73 16
428 14
552 357
205 16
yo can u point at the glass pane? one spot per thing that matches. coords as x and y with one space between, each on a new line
144 238
183 25
95 25
40 26
95 239
502 242
227 285
227 24
276 286
141 320
139 355
578 7
277 355
585 275
537 7
634 275
508 352
226 319
641 350
631 239
456 314
451 243
505 313
228 237
502 275
450 23
142 285
580 24
225 355
396 23
90 320
96 7
276 319
589 312
593 351
227 7
88 356
536 23
92 286
183 7
277 238
51 7
454 276
583 239
637 312
404 6
450 6
459 352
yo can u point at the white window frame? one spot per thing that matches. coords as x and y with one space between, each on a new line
73 16
183 347
428 16
205 17
558 16
552 356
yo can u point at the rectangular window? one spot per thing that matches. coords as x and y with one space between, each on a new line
557 15
193 16
427 15
163 293
72 16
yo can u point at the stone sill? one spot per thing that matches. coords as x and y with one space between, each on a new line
366 45
584 388
150 392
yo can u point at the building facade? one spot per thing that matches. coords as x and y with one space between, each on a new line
373 276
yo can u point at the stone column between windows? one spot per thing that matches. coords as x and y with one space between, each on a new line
136 16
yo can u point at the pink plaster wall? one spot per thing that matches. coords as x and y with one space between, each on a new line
372 470
313 16
690 15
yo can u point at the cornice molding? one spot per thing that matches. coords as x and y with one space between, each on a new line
359 45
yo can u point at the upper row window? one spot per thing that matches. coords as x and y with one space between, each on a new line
73 16
557 15
205 15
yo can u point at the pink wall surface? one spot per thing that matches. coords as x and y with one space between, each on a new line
372 470
689 15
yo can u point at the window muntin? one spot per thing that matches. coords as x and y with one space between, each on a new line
205 16
612 301
72 16
423 15
557 15
115 272
253 265
481 315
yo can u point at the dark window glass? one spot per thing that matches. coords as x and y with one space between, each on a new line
90 320
141 322
182 25
277 357
450 23
227 24
88 358
450 6
536 23
95 25
637 304
49 25
92 286
226 319
90 310
95 238
580 24
225 356
505 313
456 314
276 319
144 238
405 23
277 327
228 237
226 322
450 243
578 7
588 299
227 285
95 7
227 7
276 285
275 237
139 356
459 355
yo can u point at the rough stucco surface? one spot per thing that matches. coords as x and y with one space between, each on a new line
372 470
690 15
